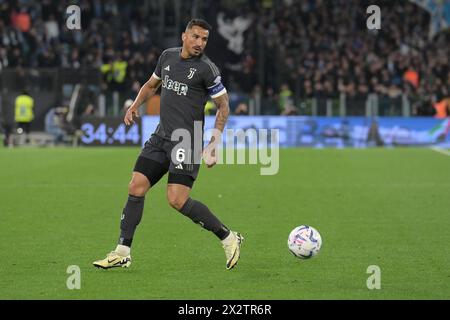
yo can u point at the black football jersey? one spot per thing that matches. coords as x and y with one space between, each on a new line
186 85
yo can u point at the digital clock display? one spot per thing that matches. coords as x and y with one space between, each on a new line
110 131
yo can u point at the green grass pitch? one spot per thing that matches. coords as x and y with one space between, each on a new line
384 207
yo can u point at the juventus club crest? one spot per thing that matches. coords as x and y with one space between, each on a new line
191 73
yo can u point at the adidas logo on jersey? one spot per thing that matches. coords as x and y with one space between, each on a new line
179 166
167 68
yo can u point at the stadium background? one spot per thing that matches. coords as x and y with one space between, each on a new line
311 69
277 57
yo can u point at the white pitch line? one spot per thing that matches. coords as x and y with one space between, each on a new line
440 150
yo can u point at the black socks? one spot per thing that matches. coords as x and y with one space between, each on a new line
200 214
195 210
131 216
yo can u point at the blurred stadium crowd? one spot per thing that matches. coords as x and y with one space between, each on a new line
327 49
313 48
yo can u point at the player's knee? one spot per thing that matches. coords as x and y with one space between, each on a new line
176 201
137 188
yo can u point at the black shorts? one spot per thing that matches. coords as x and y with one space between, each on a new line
155 161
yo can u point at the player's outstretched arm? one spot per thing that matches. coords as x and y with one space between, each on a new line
147 91
223 110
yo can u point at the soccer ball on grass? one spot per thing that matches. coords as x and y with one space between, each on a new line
304 242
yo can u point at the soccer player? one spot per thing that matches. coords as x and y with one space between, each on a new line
187 77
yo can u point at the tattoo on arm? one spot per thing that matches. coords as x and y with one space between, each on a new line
223 110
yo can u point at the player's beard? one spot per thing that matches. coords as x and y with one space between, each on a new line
196 51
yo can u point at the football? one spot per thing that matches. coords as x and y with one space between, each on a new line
304 242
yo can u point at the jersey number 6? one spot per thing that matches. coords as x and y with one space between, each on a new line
180 155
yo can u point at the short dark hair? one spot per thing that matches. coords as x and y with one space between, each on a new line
199 22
